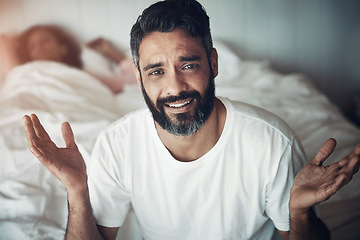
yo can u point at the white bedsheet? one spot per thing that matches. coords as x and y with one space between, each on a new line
33 202
308 112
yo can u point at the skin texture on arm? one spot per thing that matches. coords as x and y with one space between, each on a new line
69 167
306 226
316 183
9 57
124 64
107 49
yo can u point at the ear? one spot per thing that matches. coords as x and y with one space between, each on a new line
138 75
214 61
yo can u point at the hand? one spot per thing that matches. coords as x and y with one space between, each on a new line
66 164
106 48
316 183
101 45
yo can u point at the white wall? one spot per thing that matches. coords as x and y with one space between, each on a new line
320 38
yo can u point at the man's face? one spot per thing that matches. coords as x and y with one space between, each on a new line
177 80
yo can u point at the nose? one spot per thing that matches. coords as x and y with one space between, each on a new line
175 83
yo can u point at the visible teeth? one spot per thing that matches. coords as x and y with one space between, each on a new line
177 105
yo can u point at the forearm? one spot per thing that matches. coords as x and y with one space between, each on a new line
116 55
81 222
306 225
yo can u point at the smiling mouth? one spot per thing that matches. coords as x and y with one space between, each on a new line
179 105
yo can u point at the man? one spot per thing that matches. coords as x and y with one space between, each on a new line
194 166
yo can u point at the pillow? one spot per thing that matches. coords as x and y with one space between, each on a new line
95 63
229 64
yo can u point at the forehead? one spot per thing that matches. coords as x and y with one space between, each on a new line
41 33
165 45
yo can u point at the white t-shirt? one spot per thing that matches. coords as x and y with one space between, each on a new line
238 190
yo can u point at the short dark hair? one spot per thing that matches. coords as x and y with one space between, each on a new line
167 15
73 55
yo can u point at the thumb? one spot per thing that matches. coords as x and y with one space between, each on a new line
324 152
68 136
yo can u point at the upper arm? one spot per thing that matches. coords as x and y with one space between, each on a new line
108 233
8 54
284 234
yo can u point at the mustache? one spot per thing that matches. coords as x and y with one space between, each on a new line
181 96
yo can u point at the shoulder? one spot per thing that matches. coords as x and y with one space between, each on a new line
122 134
132 121
256 116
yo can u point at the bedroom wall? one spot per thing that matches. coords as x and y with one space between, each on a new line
319 38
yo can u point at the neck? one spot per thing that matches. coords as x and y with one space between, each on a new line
190 148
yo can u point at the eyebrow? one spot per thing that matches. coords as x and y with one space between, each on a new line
190 58
182 59
152 65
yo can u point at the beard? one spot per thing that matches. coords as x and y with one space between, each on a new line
188 123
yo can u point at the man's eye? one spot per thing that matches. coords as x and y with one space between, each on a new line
190 66
156 72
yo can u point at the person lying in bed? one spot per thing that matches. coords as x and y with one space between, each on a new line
193 166
53 43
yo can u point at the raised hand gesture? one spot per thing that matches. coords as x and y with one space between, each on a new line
66 164
316 183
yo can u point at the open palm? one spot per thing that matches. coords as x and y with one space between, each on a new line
66 164
316 183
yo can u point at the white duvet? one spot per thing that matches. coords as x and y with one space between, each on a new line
314 119
308 112
33 202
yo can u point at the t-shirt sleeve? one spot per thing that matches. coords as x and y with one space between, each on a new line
278 192
109 197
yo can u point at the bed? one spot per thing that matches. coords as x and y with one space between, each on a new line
33 202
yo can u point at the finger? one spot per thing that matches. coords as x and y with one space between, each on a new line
324 152
334 186
92 43
31 136
68 136
343 162
39 129
356 151
344 169
352 166
30 132
357 165
95 42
